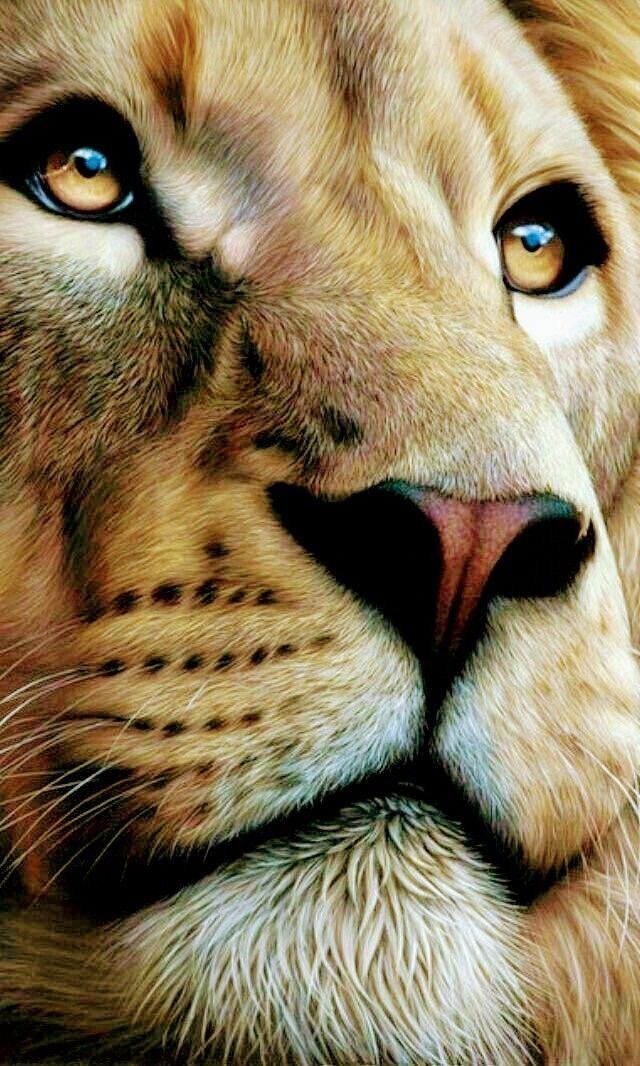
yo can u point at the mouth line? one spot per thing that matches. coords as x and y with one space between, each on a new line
125 880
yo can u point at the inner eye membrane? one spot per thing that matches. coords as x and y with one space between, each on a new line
79 158
548 240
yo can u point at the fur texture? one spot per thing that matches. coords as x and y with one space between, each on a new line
313 295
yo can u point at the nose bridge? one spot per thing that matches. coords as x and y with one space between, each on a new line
449 400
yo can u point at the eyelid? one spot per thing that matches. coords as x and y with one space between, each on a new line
65 125
41 194
548 203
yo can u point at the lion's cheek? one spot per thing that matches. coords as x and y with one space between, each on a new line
543 732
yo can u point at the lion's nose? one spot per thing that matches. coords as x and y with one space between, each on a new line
432 564
524 548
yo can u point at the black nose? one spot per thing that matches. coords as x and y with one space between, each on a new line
431 564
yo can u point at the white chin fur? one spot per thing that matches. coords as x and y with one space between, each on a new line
377 938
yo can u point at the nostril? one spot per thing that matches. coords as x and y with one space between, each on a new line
546 557
377 544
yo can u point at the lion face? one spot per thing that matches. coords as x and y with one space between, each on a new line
319 385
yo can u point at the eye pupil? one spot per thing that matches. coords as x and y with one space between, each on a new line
535 236
89 162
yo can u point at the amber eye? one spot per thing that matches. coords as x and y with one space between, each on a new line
83 181
79 159
533 256
548 241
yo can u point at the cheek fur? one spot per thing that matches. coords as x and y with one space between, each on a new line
114 251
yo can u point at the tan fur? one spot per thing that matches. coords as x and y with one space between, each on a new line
333 317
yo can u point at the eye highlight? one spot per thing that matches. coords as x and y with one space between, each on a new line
533 256
548 241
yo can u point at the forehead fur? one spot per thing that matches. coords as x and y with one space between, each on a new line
167 51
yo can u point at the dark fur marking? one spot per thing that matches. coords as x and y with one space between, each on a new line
207 592
160 782
30 77
266 598
153 663
259 656
523 9
112 667
268 439
225 661
93 612
205 768
341 428
125 601
213 724
216 549
238 596
173 729
202 808
321 641
80 502
173 95
194 662
286 649
167 594
251 718
252 360
143 725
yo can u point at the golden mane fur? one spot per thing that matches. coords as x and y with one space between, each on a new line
310 304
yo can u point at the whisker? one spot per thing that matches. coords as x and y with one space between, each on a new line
46 725
626 791
69 824
42 691
32 651
8 822
82 849
54 633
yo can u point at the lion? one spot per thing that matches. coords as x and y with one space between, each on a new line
320 514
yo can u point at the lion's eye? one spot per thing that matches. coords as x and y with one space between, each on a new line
532 256
83 180
80 158
548 241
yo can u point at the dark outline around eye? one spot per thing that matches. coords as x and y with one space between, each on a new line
563 206
68 125
36 186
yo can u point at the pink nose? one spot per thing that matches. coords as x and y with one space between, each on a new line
431 564
473 537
